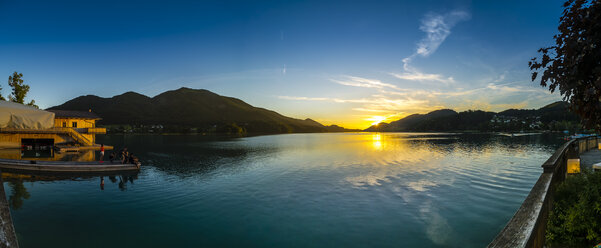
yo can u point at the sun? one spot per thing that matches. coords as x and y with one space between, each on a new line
376 119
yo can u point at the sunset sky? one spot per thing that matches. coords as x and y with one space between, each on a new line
350 63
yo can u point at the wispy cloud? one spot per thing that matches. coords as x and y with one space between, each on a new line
499 89
400 102
506 88
302 98
371 110
437 28
337 100
415 75
363 82
487 106
499 79
377 103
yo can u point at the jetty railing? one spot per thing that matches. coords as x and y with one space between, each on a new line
77 136
528 226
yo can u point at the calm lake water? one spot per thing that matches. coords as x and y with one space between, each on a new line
295 190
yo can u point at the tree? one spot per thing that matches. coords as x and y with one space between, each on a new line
32 103
573 64
19 89
18 194
1 97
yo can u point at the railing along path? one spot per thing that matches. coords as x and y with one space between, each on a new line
528 226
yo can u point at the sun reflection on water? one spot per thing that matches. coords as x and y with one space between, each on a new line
377 141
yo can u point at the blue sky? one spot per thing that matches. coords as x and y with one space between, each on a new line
345 62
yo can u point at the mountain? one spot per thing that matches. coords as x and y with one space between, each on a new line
555 116
410 121
186 108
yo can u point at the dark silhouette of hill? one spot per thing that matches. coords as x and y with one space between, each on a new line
411 121
555 116
187 108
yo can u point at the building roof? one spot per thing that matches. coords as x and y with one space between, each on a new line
74 114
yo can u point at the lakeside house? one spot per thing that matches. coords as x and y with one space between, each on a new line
84 123
30 129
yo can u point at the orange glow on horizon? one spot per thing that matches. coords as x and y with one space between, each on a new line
361 123
377 119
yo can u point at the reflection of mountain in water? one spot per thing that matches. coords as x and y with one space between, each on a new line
407 189
187 155
194 155
449 143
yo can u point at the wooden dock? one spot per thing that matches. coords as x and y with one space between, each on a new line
61 149
66 167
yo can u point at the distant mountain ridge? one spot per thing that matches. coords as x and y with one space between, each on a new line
555 116
414 119
192 108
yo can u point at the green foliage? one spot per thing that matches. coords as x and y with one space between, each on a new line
575 220
1 97
232 128
19 90
32 103
18 194
573 65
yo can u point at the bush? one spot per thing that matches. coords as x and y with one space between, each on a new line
575 220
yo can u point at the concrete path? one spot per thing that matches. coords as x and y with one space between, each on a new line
8 238
589 158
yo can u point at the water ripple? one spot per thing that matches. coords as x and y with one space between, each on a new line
318 190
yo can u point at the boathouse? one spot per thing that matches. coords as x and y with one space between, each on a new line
83 122
25 126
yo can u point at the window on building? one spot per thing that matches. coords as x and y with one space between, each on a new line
74 124
64 124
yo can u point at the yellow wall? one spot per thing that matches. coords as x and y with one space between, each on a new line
90 137
13 140
81 123
80 156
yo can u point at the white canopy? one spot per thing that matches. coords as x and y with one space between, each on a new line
16 115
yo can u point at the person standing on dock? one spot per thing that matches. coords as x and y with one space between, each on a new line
101 152
124 155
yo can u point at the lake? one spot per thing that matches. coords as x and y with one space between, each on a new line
293 190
